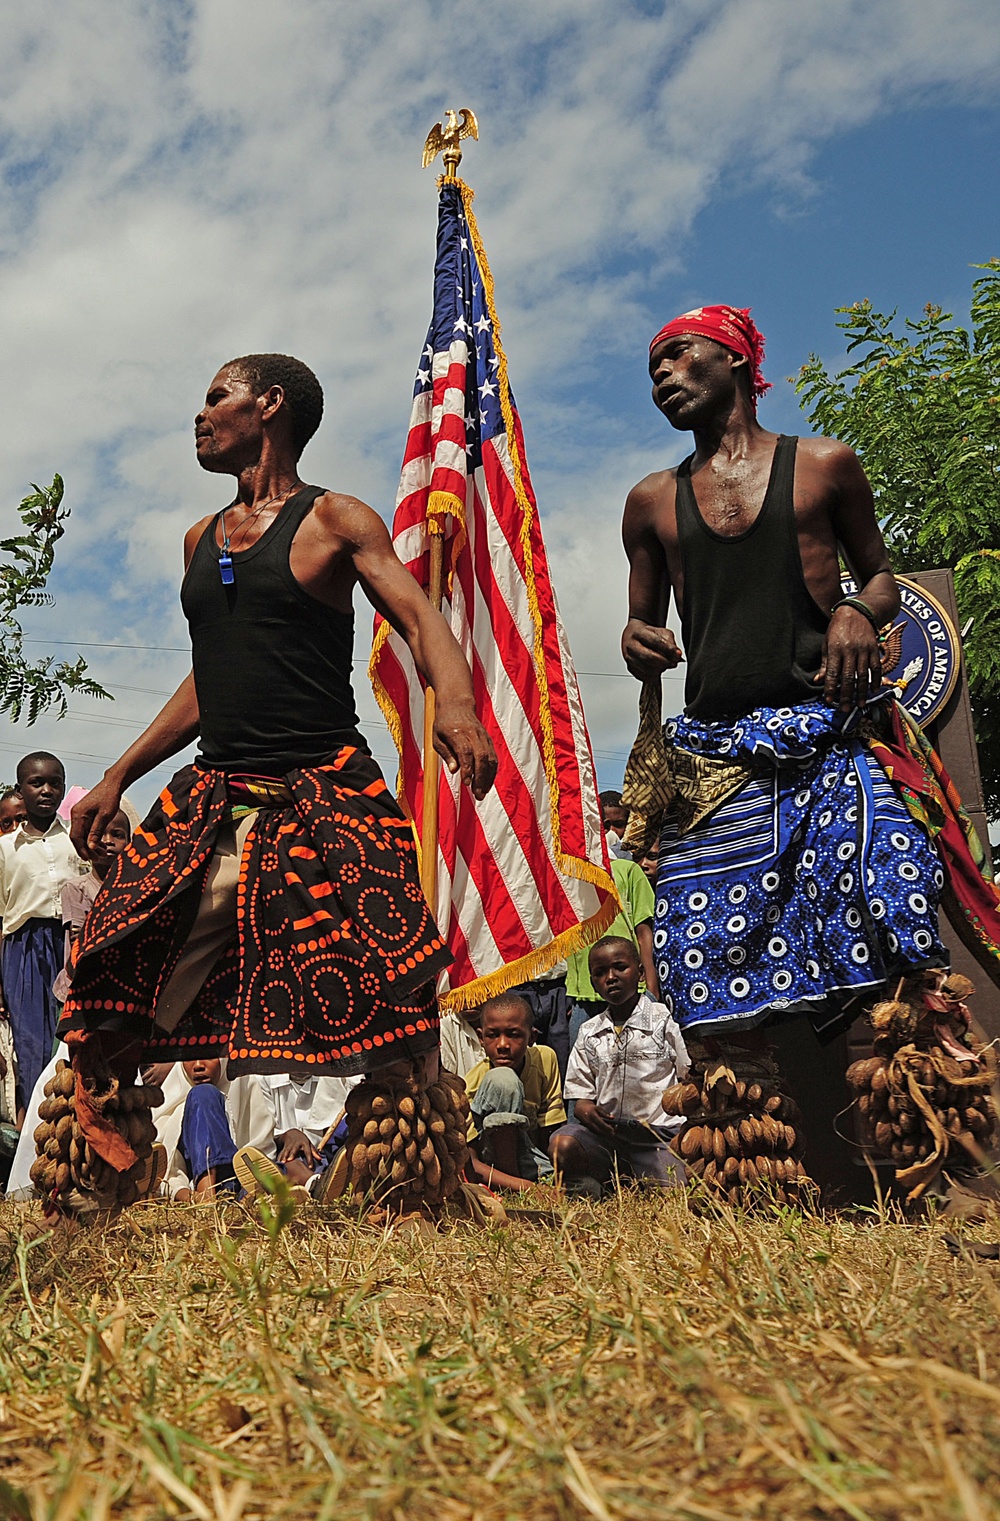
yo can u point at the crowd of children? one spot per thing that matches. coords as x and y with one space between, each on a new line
564 1075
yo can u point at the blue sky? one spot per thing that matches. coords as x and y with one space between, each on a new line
179 183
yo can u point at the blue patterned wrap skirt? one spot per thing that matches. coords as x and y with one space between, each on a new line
804 892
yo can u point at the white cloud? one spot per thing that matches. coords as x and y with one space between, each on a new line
186 182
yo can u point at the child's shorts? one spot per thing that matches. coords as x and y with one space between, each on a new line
632 1153
497 1103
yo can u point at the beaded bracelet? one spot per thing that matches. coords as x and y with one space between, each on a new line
859 607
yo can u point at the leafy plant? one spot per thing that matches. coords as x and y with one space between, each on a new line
29 688
921 407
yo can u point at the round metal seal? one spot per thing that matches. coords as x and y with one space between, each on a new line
922 652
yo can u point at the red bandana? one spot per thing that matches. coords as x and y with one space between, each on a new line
731 326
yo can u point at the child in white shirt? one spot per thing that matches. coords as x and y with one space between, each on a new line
36 862
309 1128
622 1062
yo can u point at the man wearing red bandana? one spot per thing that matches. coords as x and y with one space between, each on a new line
806 837
706 373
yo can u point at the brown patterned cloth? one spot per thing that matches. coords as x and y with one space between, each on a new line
660 778
334 957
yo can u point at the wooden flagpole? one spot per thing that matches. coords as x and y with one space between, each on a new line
429 819
444 136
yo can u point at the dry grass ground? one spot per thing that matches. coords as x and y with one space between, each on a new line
634 1359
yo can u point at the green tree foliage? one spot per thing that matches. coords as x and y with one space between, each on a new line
29 688
921 407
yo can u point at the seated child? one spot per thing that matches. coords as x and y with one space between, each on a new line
242 1111
205 1146
307 1117
514 1097
623 1060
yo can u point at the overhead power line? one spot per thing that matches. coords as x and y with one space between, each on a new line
183 649
90 644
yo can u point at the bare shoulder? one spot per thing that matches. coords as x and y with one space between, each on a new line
347 517
197 529
193 536
651 494
834 459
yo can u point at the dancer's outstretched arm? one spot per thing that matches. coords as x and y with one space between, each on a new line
175 726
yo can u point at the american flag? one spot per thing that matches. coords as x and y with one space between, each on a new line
523 877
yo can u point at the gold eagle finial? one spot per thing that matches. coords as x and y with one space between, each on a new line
445 137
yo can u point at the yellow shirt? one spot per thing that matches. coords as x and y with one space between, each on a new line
543 1102
34 869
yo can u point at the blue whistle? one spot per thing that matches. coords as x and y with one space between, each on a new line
226 569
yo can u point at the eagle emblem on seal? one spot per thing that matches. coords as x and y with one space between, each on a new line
891 643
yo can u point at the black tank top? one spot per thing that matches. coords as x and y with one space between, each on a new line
272 665
753 635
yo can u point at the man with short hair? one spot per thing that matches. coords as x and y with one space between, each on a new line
269 909
794 877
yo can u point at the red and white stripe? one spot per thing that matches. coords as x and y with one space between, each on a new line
523 876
